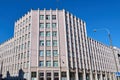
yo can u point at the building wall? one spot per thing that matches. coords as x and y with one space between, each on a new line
7 56
54 44
102 59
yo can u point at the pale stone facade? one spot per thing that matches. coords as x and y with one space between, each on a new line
53 45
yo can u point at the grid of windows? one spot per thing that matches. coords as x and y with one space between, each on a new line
47 25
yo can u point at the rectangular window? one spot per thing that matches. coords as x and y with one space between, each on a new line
41 63
26 20
28 52
21 55
28 35
41 74
41 53
47 25
24 64
29 27
27 64
41 42
47 17
56 74
24 54
55 53
41 17
33 74
53 25
55 63
48 64
29 18
47 42
28 44
54 33
41 25
48 74
48 53
54 42
53 17
25 36
48 33
41 33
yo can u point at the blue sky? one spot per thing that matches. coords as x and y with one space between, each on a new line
96 13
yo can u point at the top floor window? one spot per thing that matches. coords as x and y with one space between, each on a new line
47 17
53 17
41 17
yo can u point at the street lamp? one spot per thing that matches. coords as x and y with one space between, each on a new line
111 45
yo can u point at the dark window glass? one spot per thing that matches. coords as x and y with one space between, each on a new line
53 17
33 74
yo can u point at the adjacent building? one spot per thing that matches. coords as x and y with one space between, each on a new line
53 45
103 60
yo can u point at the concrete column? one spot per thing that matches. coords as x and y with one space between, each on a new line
76 75
45 78
59 75
91 75
37 73
101 76
84 75
105 75
52 75
96 77
68 75
114 77
110 76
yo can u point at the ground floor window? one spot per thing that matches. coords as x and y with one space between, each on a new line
41 76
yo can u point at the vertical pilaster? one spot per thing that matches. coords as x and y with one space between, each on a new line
101 76
110 76
106 76
68 75
91 75
45 78
96 77
84 75
52 75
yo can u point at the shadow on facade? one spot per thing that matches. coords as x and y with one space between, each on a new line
19 77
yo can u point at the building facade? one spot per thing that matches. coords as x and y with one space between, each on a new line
103 61
53 45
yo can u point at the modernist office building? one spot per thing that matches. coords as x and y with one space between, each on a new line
53 45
